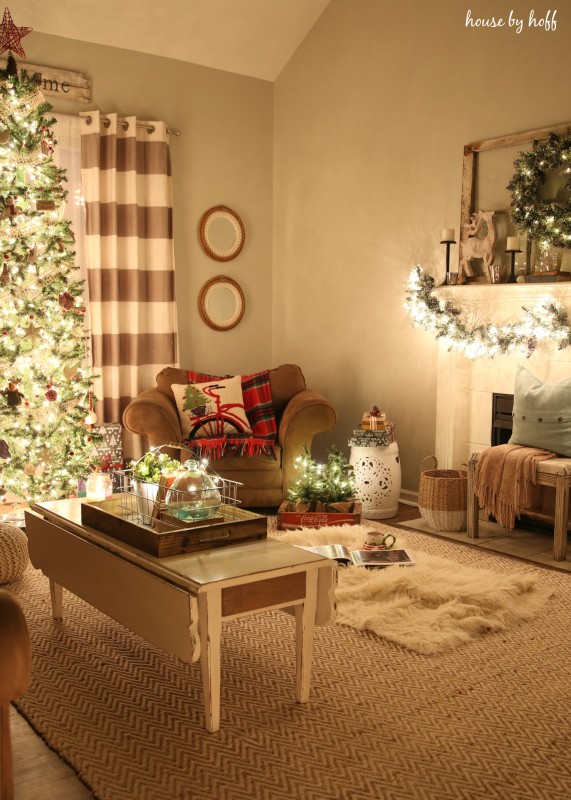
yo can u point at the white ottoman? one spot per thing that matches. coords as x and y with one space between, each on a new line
377 479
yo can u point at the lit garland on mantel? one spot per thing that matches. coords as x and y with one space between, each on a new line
547 321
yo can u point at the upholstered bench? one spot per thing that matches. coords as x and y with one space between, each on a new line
555 473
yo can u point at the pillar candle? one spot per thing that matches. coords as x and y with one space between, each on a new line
513 243
448 235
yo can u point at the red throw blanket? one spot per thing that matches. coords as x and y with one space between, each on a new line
504 479
260 412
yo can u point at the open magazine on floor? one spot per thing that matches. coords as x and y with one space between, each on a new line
361 558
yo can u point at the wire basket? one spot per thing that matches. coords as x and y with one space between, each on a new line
163 507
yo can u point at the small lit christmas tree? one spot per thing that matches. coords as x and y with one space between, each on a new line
45 398
332 482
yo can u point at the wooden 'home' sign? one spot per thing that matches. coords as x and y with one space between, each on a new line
54 82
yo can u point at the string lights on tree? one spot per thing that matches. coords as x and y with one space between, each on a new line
45 443
547 321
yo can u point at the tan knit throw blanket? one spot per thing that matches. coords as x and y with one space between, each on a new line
504 479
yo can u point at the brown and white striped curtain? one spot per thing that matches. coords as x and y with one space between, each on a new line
126 179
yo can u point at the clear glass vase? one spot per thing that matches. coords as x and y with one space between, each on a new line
193 494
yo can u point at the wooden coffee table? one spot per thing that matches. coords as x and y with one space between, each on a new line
178 603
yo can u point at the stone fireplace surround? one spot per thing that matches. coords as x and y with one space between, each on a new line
465 387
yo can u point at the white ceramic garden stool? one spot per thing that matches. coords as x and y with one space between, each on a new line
377 478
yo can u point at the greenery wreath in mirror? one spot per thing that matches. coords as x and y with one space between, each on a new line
548 221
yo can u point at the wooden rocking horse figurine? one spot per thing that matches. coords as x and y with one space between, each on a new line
476 246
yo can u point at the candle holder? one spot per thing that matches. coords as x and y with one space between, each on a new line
512 278
448 242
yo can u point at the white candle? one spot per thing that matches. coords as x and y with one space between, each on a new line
513 243
448 235
98 487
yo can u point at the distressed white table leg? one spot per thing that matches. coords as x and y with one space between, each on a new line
561 518
209 628
304 624
56 594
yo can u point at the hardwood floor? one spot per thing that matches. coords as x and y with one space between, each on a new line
38 771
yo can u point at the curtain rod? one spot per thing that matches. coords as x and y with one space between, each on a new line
125 125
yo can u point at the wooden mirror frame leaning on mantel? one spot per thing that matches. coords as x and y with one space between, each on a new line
469 174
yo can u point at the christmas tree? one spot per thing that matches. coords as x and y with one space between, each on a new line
45 399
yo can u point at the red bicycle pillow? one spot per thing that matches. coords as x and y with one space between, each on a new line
211 409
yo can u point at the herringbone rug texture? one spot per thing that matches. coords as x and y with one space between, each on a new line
487 721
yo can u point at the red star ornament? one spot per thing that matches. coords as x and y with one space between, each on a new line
10 35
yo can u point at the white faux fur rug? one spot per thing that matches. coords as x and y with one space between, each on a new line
435 605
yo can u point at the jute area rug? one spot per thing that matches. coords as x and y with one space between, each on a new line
482 721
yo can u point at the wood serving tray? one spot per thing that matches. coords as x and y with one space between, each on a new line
232 526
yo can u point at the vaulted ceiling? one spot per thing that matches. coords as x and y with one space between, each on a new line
249 37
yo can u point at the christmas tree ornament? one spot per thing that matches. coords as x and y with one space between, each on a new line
29 469
91 418
12 394
5 276
11 36
32 332
4 136
51 393
66 300
13 209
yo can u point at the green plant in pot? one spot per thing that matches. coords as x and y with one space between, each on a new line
153 465
146 475
326 487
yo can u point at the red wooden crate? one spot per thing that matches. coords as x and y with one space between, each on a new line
293 520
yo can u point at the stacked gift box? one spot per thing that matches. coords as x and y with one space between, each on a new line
374 431
107 455
109 451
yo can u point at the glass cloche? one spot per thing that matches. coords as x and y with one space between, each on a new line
193 494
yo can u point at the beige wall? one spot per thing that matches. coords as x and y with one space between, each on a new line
223 156
370 119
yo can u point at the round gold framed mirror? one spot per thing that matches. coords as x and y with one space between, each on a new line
221 303
221 233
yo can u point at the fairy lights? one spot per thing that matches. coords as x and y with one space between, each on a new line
44 390
546 321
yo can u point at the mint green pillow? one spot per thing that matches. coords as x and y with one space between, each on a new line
542 413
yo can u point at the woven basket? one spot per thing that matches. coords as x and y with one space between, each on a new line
442 497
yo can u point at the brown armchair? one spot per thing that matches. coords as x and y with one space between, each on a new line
300 414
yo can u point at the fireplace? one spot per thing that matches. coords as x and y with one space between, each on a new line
474 398
502 407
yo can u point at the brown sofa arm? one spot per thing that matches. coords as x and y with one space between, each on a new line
306 414
15 669
153 415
